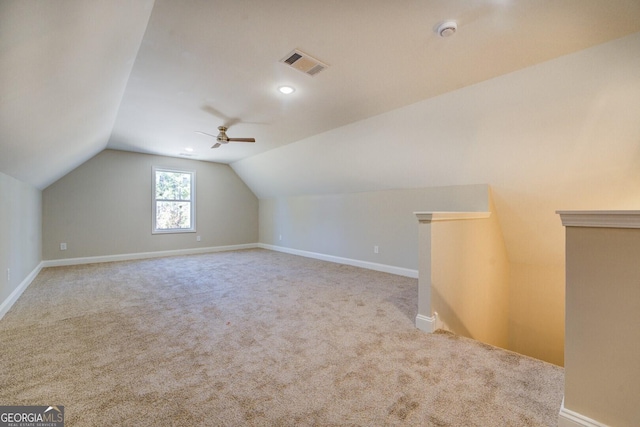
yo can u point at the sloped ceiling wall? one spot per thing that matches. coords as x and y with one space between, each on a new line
64 68
564 134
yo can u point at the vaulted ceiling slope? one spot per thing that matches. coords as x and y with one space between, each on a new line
79 76
64 66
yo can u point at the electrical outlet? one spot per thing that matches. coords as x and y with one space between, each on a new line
63 246
375 249
280 237
198 238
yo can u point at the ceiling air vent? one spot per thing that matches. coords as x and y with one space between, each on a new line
303 62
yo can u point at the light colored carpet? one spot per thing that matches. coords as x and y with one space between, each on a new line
254 338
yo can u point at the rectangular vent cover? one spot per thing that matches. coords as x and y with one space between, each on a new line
303 62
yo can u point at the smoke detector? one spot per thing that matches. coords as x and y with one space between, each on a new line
447 29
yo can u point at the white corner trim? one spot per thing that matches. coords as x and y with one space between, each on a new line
605 219
144 255
426 323
13 297
569 418
450 216
400 271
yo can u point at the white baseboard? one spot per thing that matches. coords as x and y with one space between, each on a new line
569 418
8 303
13 297
426 323
144 255
407 272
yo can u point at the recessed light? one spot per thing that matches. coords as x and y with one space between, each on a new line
188 149
287 90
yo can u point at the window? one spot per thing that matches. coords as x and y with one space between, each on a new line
174 201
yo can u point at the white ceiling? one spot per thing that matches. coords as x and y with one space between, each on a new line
78 76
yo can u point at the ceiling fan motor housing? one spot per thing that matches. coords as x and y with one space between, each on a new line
222 136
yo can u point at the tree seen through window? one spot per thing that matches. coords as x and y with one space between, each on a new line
173 200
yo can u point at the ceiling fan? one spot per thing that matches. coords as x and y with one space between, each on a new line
222 137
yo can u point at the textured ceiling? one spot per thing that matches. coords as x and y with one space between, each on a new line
79 76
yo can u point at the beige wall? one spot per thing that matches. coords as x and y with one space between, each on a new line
602 371
470 279
536 311
104 208
20 233
350 225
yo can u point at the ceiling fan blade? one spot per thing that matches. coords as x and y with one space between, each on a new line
228 121
222 137
231 121
242 140
206 134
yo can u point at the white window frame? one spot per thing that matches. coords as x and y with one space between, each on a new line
192 201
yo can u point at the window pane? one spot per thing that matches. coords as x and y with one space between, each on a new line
174 201
173 215
173 185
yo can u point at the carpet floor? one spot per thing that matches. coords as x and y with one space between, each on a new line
256 338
